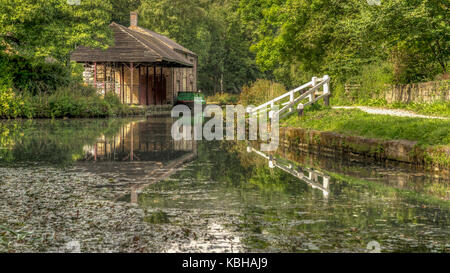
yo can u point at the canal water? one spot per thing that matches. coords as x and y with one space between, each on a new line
219 196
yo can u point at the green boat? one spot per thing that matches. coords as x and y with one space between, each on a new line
188 98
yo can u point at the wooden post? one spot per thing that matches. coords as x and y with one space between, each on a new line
326 90
131 82
113 71
146 85
154 83
104 78
161 84
312 95
122 83
95 75
139 86
173 85
300 109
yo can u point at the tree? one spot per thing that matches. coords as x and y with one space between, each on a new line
213 30
121 10
415 35
43 28
295 38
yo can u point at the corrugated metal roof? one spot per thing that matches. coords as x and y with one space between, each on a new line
135 45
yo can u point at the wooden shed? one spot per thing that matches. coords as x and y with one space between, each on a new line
143 67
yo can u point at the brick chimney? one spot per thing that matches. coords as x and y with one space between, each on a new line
133 19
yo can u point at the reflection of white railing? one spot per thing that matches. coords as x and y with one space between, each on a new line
311 179
287 101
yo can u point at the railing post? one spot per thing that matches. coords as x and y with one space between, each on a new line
291 100
326 90
271 164
300 109
314 83
326 182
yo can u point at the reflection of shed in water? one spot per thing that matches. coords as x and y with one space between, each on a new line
149 140
141 153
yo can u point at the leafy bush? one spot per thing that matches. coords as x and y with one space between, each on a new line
75 101
373 80
223 98
260 92
412 65
30 88
32 76
12 105
78 102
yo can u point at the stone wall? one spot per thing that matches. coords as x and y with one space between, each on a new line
419 92
332 144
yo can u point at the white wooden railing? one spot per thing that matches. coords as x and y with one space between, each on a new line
284 104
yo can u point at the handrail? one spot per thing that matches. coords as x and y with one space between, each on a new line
315 85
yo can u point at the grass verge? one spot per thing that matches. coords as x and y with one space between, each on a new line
427 132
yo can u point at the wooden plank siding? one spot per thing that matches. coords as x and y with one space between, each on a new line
142 67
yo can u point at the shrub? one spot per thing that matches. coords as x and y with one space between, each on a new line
260 92
223 98
34 76
373 80
30 88
412 65
78 101
12 105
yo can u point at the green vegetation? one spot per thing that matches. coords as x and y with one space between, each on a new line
75 101
260 92
36 39
238 42
437 108
426 132
52 28
223 99
212 29
30 88
52 141
297 39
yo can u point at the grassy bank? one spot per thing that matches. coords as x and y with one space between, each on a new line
34 88
427 132
74 101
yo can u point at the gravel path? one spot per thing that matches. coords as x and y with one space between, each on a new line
390 112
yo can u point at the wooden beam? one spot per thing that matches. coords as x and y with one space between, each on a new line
173 85
161 84
122 85
95 75
113 71
131 83
104 78
146 86
139 85
154 83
